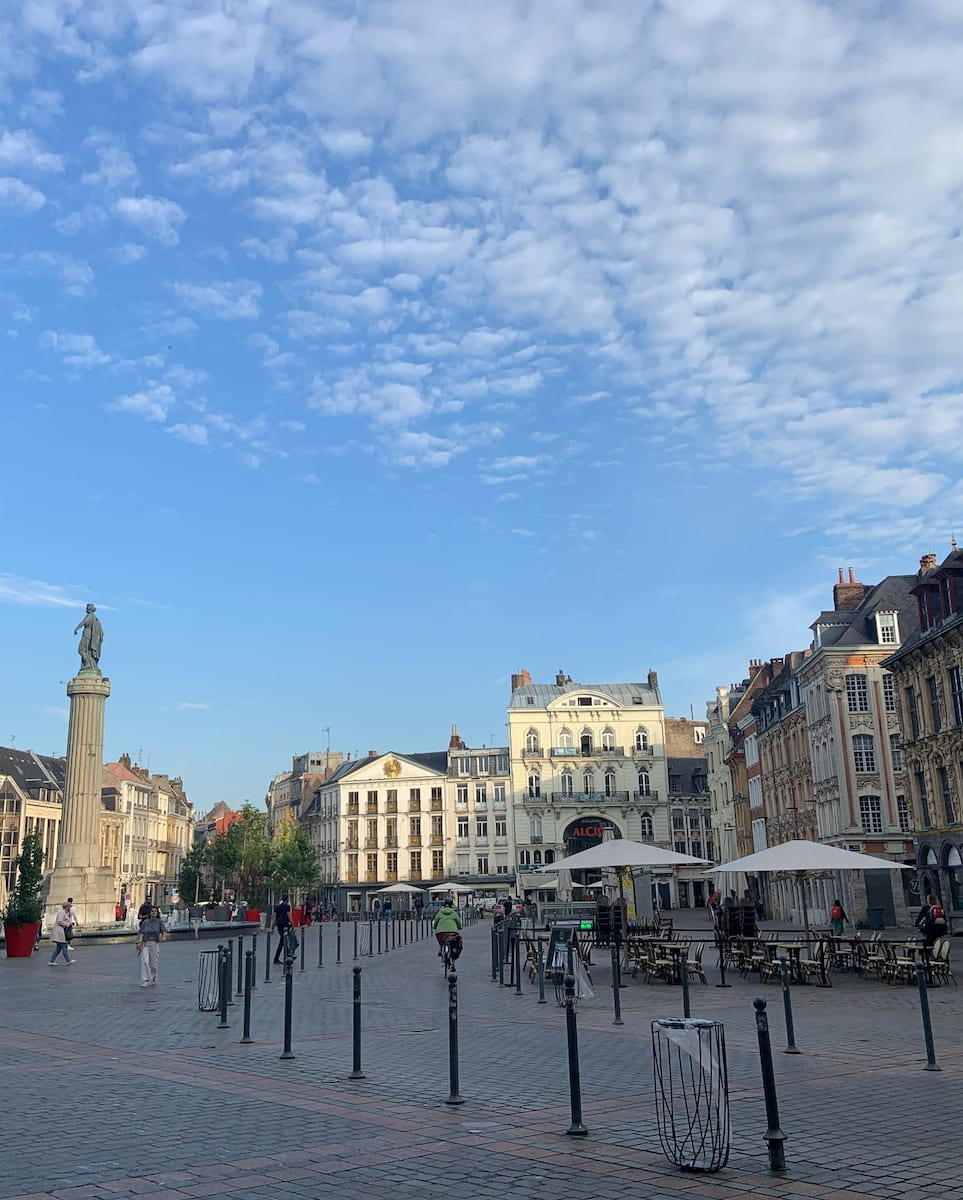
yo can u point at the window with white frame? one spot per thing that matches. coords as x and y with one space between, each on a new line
568 783
889 693
641 738
481 829
461 795
482 861
462 828
565 739
610 784
534 785
871 814
535 828
887 629
864 755
481 794
857 693
525 858
903 814
464 766
498 790
532 741
896 751
608 739
956 694
501 827
645 788
648 828
588 781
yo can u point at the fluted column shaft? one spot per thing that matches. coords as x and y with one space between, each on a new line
79 842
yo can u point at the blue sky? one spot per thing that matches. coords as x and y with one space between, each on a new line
357 355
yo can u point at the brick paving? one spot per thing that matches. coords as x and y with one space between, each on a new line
110 1090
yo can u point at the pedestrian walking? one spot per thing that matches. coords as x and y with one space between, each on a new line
282 923
58 934
144 910
837 915
931 921
152 933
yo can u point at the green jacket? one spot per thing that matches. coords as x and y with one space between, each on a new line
446 920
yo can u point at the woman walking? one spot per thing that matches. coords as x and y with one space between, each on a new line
152 933
59 936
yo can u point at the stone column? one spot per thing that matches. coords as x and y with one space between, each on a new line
78 871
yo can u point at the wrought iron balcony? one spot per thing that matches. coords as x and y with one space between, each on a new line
594 752
590 797
646 797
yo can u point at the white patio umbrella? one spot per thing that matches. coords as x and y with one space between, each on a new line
618 854
450 886
400 888
802 857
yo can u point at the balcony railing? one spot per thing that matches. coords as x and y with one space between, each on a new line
438 874
391 806
391 876
646 797
351 845
531 753
437 805
371 808
352 810
595 752
590 797
391 841
371 877
352 877
437 839
414 840
371 843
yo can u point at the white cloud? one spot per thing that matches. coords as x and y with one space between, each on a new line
16 194
77 276
345 143
14 589
76 349
21 150
153 402
190 704
228 300
153 216
129 252
192 432
419 449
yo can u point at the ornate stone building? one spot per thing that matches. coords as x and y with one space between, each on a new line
852 716
928 674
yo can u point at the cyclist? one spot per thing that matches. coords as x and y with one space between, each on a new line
446 921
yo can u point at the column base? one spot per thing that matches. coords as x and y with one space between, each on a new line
93 891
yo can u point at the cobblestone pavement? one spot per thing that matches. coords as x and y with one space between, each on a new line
110 1090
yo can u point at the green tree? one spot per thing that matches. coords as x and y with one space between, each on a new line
223 856
23 903
191 877
294 866
254 849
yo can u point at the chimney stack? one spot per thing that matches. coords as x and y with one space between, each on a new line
372 753
927 563
847 597
455 742
522 679
653 681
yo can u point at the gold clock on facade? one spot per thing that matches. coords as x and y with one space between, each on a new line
392 768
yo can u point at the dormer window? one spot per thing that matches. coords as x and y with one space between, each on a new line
887 628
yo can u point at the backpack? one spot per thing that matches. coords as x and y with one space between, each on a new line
936 915
837 913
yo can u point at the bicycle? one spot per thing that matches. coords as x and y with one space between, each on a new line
449 953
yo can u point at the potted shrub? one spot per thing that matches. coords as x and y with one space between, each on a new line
21 920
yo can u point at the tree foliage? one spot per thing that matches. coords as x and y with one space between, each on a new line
23 904
294 867
191 876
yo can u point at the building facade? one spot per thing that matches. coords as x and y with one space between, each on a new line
928 674
31 798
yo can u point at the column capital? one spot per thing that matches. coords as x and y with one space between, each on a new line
89 685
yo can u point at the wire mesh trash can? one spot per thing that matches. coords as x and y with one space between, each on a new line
692 1092
207 989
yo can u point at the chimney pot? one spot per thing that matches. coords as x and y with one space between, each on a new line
852 577
840 570
372 753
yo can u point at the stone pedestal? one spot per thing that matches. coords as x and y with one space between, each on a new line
78 871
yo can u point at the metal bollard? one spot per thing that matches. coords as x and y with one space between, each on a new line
246 1039
321 943
394 929
927 1023
791 1047
379 937
576 1129
774 1136
501 956
454 1096
517 965
684 980
541 972
267 959
254 961
229 950
356 1072
615 986
302 939
494 954
338 959
223 986
356 941
288 1003
240 964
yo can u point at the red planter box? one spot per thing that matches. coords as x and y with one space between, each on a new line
21 939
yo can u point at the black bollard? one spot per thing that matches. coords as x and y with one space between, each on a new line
927 1023
684 980
356 1072
267 959
288 1002
722 966
541 971
501 956
394 929
791 1047
774 1136
338 947
615 986
240 965
454 1096
229 950
379 936
370 939
517 965
356 941
254 961
223 986
576 1129
303 939
321 943
246 1039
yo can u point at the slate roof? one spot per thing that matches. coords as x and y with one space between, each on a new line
24 765
621 693
858 627
433 760
687 769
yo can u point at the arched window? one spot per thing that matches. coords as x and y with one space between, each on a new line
524 858
549 857
537 857
610 783
641 738
565 739
644 786
648 828
568 783
608 739
535 828
532 742
534 784
585 741
588 781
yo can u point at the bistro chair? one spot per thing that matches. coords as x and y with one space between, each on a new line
694 967
940 962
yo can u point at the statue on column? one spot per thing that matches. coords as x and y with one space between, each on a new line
90 640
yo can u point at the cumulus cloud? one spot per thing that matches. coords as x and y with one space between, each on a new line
76 349
76 275
17 195
21 150
154 216
226 301
192 432
152 402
